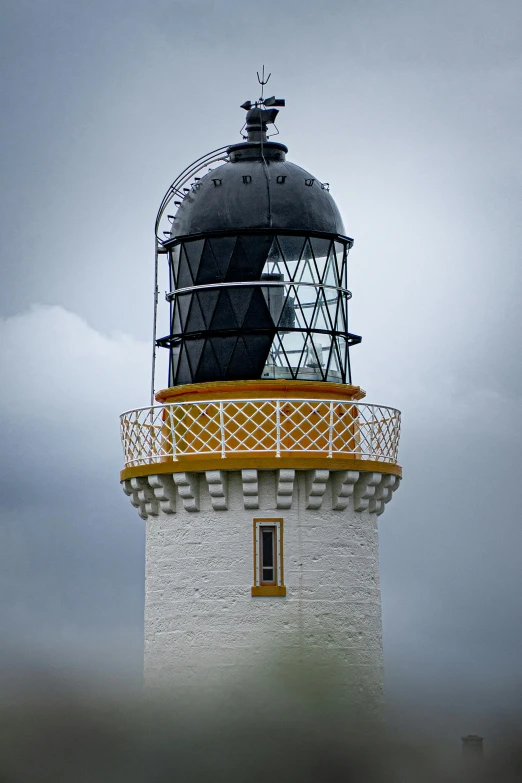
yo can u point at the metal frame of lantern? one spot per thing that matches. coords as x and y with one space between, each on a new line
304 328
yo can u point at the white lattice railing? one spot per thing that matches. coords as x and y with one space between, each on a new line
280 427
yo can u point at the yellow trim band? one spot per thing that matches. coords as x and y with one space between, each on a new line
198 464
255 390
273 590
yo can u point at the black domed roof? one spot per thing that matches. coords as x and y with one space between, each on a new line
258 189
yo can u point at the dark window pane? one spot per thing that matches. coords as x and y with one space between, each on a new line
195 321
222 248
174 265
248 262
191 257
194 349
208 269
224 348
183 304
208 299
249 357
321 248
183 371
240 299
291 246
268 546
274 295
208 368
224 317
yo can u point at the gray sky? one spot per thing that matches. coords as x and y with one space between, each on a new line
412 112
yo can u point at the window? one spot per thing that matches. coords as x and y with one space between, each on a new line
267 555
268 558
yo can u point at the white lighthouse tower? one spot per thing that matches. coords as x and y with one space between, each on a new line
260 471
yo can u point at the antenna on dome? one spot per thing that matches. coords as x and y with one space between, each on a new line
262 81
273 101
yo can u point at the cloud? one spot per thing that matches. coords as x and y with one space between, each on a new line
71 547
65 384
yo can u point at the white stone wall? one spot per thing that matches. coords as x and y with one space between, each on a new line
200 618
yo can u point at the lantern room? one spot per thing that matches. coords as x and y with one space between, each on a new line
258 262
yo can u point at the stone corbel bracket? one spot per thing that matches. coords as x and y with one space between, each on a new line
285 488
217 481
343 487
250 483
316 481
164 491
365 489
383 494
188 488
373 491
141 496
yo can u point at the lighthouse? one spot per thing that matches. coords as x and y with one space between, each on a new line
260 470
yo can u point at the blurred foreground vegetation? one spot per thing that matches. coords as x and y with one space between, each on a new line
284 726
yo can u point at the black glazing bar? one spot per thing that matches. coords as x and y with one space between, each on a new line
178 337
320 306
255 283
173 258
346 364
283 232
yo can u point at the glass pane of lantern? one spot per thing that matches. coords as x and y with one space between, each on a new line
320 319
341 252
331 270
291 247
320 249
275 263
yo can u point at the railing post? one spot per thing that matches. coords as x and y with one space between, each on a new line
222 428
396 425
372 431
330 430
141 455
150 438
278 429
173 432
